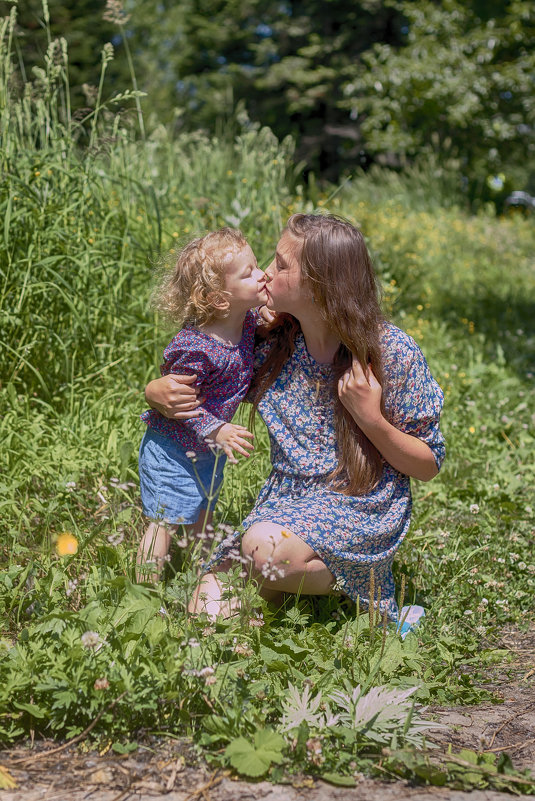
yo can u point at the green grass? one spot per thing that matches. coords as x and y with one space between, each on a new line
83 227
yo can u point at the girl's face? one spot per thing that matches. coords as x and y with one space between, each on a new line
283 276
244 280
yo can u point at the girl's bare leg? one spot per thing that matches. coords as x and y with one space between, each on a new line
271 550
304 572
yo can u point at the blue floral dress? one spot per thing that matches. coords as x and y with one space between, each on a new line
351 534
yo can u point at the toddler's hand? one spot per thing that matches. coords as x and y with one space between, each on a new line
233 437
360 392
266 314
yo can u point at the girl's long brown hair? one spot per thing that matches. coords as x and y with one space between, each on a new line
337 269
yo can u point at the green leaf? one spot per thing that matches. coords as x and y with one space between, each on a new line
254 759
270 741
34 710
124 748
339 780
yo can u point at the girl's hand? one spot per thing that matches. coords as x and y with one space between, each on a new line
231 437
360 392
174 396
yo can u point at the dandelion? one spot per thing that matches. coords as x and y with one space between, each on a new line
66 544
92 640
101 684
474 508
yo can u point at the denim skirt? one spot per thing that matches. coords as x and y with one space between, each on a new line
175 488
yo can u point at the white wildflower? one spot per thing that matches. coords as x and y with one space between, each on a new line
92 640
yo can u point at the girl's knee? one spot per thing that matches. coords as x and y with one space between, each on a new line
255 548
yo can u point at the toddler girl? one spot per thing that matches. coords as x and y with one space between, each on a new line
211 290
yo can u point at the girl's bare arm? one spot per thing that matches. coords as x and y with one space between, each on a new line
174 396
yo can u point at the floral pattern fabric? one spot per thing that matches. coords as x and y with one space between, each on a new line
223 375
351 534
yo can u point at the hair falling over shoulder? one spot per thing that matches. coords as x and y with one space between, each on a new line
337 269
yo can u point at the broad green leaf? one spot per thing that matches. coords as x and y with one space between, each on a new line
339 780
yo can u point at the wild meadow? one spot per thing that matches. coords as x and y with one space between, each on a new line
89 206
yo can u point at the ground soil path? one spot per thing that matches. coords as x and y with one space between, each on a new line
165 770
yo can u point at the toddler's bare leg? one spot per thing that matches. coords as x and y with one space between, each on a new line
208 595
153 549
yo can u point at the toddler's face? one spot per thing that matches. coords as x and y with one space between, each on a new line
244 280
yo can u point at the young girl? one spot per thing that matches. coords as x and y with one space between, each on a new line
211 290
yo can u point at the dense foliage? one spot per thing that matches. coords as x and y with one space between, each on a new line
353 82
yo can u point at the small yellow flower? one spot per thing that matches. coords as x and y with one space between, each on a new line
90 240
229 172
66 544
37 173
285 533
472 430
175 234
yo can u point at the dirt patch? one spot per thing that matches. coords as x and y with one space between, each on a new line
169 769
508 727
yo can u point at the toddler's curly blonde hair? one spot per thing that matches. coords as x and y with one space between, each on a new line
193 290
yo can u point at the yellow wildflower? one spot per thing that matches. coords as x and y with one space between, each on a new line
66 544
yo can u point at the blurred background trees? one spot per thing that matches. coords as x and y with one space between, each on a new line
356 82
